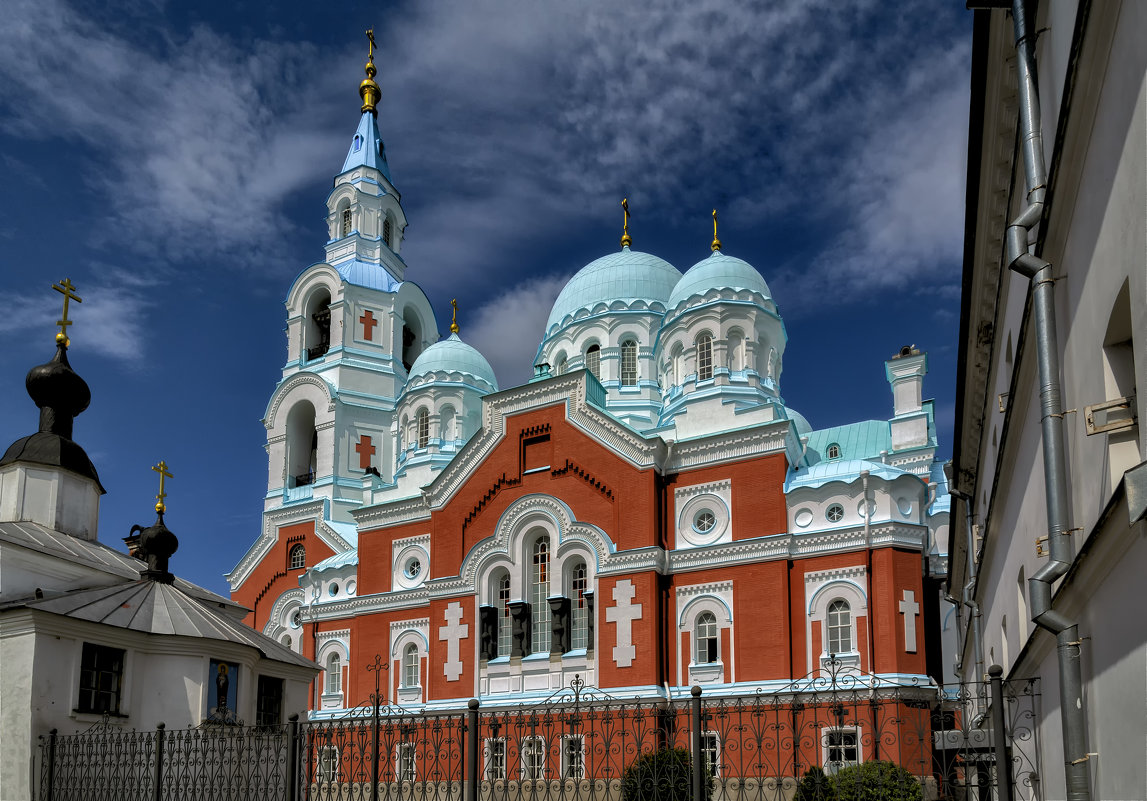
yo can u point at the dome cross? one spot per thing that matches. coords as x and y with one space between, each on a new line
454 319
65 288
626 240
161 468
716 242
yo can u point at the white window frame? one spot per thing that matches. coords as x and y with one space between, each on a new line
502 594
579 610
593 360
570 770
541 623
406 762
422 422
711 744
832 766
328 764
491 745
715 636
628 361
830 628
411 669
534 744
704 357
297 548
334 678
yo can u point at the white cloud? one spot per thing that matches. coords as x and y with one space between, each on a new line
508 328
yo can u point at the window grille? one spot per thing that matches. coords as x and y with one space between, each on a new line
629 363
423 428
386 231
533 758
495 759
704 357
593 361
328 764
101 679
840 749
578 585
504 622
839 627
410 677
573 756
711 751
269 702
346 222
405 767
833 451
706 632
298 558
539 597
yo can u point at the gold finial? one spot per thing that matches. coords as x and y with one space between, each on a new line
716 242
368 90
66 289
626 240
454 320
161 468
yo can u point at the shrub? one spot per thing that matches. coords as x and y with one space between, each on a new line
815 785
664 775
876 781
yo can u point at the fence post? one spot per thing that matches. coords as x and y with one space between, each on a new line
51 788
1000 735
472 751
374 767
293 757
159 761
698 759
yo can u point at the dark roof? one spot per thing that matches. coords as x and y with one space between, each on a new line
47 448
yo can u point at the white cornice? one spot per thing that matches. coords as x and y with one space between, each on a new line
730 446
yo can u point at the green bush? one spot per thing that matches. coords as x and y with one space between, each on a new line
665 775
815 785
876 781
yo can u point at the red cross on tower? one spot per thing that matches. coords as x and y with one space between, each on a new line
364 449
368 324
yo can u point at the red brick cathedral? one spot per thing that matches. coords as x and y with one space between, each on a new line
646 513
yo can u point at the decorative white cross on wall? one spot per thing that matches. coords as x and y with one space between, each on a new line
623 613
909 608
453 633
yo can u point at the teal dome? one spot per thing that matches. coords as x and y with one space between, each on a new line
718 272
628 275
452 355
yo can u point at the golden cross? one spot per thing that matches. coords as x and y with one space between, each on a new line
626 240
716 242
370 36
161 468
454 321
68 291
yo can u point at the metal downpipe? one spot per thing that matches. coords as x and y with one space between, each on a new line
1072 714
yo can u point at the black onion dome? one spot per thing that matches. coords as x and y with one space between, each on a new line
61 395
156 545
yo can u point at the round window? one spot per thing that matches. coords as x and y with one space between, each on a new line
297 619
834 513
334 589
704 521
412 568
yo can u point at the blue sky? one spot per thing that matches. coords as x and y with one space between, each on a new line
173 160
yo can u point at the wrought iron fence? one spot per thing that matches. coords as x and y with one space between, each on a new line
832 735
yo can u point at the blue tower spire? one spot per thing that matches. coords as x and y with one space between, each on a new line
367 149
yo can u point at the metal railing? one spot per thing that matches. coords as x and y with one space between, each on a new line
828 736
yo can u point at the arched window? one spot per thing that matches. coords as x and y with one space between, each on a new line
705 631
334 674
629 363
593 360
317 337
386 230
302 445
579 585
539 596
736 352
560 364
411 337
298 558
839 627
423 428
446 425
410 666
704 357
833 451
677 371
502 601
347 221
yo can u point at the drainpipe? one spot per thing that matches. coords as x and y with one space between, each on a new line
1066 631
868 571
969 593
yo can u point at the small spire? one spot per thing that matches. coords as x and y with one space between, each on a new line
66 289
368 90
716 242
454 320
626 240
161 468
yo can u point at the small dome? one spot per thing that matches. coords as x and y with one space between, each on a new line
718 272
802 424
627 275
452 355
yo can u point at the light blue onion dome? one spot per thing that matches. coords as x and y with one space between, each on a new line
627 276
799 421
718 272
452 355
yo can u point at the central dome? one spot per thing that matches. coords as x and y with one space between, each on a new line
627 276
452 355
